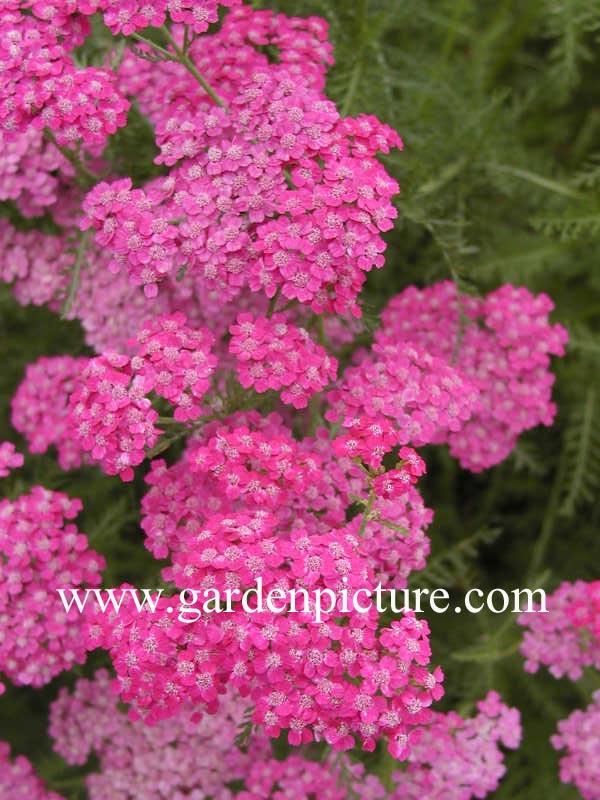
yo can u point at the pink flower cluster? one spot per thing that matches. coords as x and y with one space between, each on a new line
40 551
324 681
40 410
42 87
182 497
140 238
584 612
422 395
37 265
18 779
261 470
9 458
109 408
32 172
274 354
239 45
274 191
329 682
394 539
187 757
297 777
181 500
501 344
176 362
566 639
579 735
180 757
368 441
111 417
458 759
133 15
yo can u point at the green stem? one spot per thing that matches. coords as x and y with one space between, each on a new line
86 175
186 61
314 408
293 302
366 513
321 332
541 545
273 303
76 276
157 47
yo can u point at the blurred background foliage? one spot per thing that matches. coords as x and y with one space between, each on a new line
498 104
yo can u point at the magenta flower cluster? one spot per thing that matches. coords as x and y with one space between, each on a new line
274 354
176 362
579 735
9 458
39 548
111 417
41 85
40 408
18 778
566 640
501 344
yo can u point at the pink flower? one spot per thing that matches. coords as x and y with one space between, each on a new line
9 458
111 417
274 354
41 551
40 410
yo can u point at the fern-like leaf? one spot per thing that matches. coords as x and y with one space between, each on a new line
449 567
582 451
570 226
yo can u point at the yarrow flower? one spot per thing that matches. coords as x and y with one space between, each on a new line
9 458
324 681
579 735
40 550
179 757
176 362
274 354
421 394
501 343
393 482
37 265
33 172
188 756
42 87
298 659
566 639
275 192
112 418
262 470
40 410
141 238
459 759
18 778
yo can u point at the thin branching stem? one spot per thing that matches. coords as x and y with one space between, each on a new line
84 173
76 275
